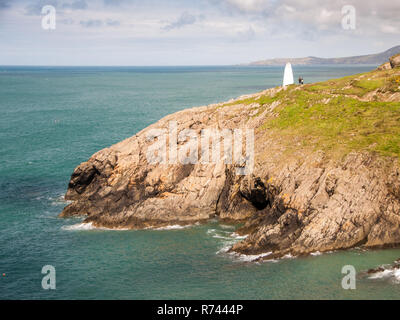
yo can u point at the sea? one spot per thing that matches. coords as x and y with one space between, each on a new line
54 118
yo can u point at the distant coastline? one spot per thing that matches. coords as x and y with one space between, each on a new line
373 59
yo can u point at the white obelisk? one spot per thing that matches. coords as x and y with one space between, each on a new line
288 75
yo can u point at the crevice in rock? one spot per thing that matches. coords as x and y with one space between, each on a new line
82 177
255 192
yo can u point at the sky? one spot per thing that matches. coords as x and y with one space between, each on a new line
191 32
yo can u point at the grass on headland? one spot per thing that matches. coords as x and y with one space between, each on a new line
343 123
339 116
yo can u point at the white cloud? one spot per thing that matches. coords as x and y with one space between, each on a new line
390 29
249 5
213 31
185 19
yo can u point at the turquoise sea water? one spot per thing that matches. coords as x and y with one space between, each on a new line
54 118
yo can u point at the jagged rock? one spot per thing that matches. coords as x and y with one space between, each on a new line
395 61
385 66
376 270
335 206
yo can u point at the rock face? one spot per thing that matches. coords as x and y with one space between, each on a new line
319 205
395 61
118 187
294 201
385 66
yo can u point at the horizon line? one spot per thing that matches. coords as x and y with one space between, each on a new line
174 66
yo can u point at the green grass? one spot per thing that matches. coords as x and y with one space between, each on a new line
342 125
358 85
333 116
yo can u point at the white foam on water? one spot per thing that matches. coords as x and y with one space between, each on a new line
228 243
226 232
239 237
221 237
396 275
224 226
243 257
88 226
389 272
382 274
79 227
251 258
60 200
173 227
224 249
288 256
226 236
214 232
316 253
229 238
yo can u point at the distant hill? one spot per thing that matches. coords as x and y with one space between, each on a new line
375 59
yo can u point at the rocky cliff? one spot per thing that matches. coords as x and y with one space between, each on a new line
326 170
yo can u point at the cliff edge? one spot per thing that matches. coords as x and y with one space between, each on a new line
326 170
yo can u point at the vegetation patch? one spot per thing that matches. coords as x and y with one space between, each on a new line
334 115
341 125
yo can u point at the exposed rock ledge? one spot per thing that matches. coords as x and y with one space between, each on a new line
296 200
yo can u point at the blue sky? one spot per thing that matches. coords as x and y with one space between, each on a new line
198 32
